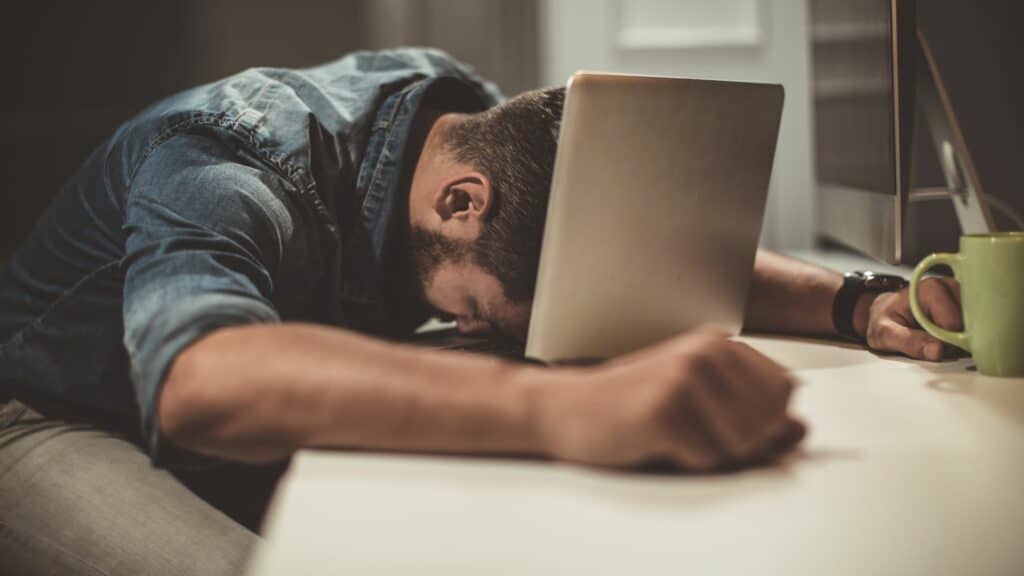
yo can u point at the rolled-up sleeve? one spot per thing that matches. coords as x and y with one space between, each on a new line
204 237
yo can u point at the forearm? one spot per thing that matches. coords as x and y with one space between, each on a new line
791 296
258 393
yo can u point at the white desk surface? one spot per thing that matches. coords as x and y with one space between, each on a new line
909 468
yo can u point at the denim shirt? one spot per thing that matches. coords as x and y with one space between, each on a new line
264 197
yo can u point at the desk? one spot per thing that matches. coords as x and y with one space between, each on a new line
909 468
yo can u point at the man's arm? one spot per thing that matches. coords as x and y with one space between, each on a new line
791 296
794 297
258 393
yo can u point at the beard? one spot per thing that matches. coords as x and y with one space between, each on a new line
429 250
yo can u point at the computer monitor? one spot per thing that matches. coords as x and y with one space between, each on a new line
873 78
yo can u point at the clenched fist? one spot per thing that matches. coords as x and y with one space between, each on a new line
699 401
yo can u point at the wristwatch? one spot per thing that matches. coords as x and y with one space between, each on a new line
854 285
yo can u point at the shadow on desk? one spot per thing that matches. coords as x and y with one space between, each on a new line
1004 397
650 488
799 353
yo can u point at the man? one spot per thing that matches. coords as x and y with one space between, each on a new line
229 272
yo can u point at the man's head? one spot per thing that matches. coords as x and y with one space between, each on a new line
477 203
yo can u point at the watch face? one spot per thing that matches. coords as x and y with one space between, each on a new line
874 282
882 282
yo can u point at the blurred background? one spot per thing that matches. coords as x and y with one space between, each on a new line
75 70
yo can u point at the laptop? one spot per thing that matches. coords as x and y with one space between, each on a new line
656 206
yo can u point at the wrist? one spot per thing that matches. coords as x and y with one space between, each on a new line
851 306
862 314
556 403
540 404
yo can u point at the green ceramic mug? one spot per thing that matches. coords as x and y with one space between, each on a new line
990 269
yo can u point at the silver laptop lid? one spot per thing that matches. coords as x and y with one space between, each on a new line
656 206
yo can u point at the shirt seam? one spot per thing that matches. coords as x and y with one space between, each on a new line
388 136
295 176
35 322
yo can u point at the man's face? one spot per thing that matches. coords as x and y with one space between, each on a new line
461 290
475 300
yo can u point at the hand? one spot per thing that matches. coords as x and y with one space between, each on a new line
890 325
699 401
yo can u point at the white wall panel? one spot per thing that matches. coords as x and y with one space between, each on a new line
668 24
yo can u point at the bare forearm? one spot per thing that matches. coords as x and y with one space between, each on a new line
791 296
258 393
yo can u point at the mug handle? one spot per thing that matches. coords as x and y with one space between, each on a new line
958 339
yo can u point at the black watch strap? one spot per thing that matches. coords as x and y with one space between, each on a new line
854 285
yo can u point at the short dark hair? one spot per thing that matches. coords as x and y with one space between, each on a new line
514 145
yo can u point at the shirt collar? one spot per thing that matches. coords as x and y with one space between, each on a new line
381 173
382 184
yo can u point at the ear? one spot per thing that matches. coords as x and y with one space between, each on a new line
464 199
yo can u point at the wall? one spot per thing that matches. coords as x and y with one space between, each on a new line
75 70
497 37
